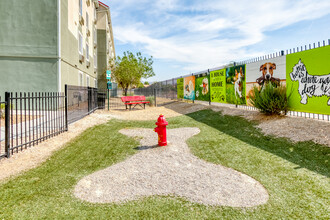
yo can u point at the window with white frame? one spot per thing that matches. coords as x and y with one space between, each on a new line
95 60
94 35
80 80
107 44
87 20
95 83
87 50
80 42
87 80
80 7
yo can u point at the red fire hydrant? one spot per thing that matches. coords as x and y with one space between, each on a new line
161 130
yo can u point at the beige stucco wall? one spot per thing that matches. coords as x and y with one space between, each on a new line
105 43
70 27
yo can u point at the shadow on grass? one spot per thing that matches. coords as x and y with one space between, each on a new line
309 155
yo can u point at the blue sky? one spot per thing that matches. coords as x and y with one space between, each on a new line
188 36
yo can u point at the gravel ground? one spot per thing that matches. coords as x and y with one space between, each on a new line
295 128
298 129
170 170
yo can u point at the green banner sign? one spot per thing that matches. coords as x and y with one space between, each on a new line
202 88
218 86
308 80
179 84
235 85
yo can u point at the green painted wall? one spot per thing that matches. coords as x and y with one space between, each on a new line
18 78
101 58
28 45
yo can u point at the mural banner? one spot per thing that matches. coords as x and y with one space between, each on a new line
235 85
265 71
218 86
308 80
179 88
202 87
189 87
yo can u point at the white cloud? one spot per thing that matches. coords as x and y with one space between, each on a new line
204 34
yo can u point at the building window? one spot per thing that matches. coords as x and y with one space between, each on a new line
87 21
95 60
80 41
80 81
95 83
80 7
87 80
107 43
87 50
94 36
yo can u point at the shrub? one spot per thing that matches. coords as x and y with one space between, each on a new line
270 99
151 99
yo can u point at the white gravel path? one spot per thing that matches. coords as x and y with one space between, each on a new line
170 170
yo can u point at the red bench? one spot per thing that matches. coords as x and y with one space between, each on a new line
134 100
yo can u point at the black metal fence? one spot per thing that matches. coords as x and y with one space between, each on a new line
83 101
113 98
164 92
158 94
30 118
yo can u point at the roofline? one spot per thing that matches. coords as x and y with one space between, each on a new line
103 4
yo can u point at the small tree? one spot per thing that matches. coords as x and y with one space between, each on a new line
129 69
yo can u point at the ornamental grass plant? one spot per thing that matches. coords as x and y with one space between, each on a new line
270 99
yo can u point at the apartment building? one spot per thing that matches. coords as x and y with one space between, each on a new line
45 44
105 43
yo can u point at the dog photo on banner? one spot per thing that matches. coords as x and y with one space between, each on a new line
235 85
263 72
202 87
189 88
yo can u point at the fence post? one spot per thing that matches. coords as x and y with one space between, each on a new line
155 95
66 107
7 127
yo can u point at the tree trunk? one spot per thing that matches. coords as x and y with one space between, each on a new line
125 91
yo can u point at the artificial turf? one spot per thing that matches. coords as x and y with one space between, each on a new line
296 175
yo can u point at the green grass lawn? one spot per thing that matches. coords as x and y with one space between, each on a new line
295 175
